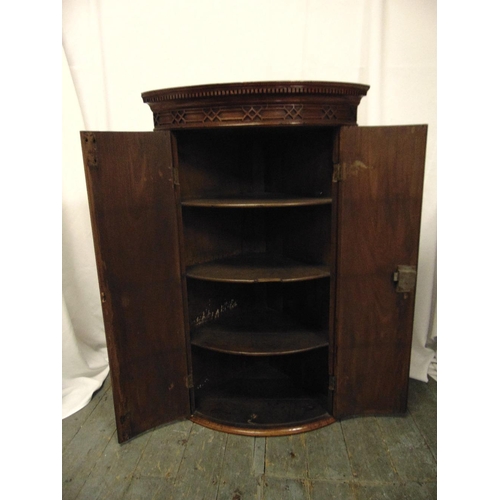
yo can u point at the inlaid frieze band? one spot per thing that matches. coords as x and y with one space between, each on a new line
313 103
269 114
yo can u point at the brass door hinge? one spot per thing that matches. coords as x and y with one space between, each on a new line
189 381
331 383
406 278
176 176
90 145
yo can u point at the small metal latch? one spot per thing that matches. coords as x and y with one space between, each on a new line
406 278
331 383
189 381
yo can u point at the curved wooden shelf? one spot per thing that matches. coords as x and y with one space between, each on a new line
257 268
261 401
257 333
261 200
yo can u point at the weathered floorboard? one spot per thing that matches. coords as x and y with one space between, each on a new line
259 456
149 488
408 450
392 491
432 386
238 479
287 457
432 489
326 490
85 449
327 454
164 451
113 471
367 451
200 469
359 459
422 405
275 488
74 423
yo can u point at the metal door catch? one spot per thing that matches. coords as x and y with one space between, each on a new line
406 278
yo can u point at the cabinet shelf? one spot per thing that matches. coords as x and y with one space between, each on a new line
257 268
259 399
257 333
259 200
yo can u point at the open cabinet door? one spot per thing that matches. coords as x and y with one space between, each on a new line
136 236
380 179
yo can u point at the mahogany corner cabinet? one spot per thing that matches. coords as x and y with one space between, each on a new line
257 258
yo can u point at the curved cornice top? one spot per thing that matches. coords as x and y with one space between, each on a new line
265 88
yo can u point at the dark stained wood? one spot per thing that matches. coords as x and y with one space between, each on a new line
259 431
229 162
241 284
255 268
256 104
263 200
210 236
215 163
249 168
182 263
333 264
261 400
380 198
305 302
295 232
305 238
132 203
257 333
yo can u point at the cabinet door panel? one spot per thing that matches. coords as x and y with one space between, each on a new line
380 193
134 219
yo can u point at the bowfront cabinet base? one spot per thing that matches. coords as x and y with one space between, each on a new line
247 251
263 431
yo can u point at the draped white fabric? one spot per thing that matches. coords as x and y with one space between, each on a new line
84 356
116 49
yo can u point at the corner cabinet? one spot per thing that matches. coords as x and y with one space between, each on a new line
257 258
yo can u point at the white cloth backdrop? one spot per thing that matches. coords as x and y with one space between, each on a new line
84 356
116 49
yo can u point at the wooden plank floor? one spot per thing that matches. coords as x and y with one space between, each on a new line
364 458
